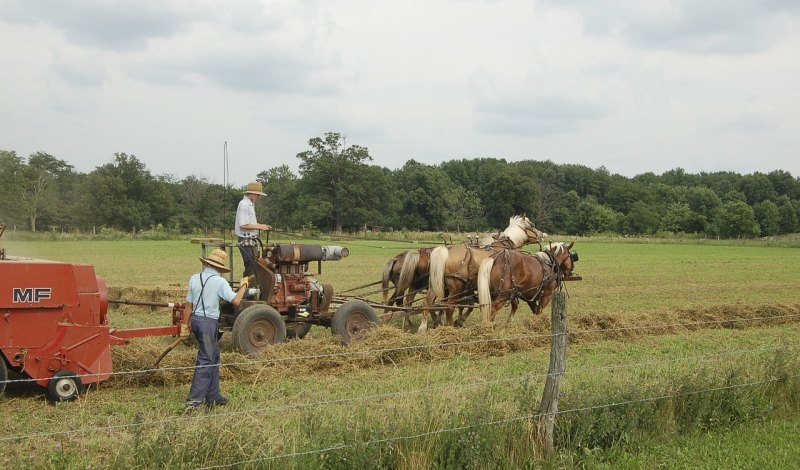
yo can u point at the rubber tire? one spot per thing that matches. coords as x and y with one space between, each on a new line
352 320
64 385
297 330
3 374
254 325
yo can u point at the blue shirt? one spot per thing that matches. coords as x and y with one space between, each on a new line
216 288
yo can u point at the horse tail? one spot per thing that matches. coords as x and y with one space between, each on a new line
387 275
438 261
484 291
407 272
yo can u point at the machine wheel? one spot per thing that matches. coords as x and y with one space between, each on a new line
256 327
297 330
3 374
64 385
352 320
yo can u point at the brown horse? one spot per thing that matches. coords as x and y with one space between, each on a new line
409 272
454 269
512 275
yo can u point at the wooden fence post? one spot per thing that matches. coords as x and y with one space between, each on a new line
552 386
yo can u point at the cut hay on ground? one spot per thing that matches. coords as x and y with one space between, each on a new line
389 346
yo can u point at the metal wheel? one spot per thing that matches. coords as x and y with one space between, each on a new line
3 374
256 327
64 385
352 320
297 330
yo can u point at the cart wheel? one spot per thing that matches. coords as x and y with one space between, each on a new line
256 327
65 385
297 330
352 320
3 374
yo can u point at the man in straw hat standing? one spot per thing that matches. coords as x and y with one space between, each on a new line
247 226
206 289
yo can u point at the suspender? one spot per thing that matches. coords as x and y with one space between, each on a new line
202 288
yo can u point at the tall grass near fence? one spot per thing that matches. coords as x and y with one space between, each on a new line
604 415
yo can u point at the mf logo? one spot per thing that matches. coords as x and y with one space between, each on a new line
30 294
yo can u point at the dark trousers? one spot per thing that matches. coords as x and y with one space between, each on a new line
248 256
205 382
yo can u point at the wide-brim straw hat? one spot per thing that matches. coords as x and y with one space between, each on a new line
218 259
255 187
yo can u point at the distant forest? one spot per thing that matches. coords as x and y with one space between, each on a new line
338 189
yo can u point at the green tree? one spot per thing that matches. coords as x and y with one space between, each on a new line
768 217
337 174
736 219
788 221
681 218
566 218
281 187
756 188
12 176
594 217
40 197
463 210
642 218
424 196
123 194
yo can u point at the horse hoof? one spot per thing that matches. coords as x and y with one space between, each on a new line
458 324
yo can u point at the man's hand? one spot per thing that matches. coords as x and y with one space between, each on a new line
265 227
246 281
185 332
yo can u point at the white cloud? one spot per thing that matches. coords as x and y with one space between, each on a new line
628 85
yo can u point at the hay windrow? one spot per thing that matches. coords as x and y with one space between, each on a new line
388 346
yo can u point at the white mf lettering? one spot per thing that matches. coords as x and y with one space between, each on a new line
30 294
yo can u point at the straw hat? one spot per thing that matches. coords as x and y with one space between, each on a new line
254 187
218 259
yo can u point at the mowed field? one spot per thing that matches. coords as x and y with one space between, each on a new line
649 318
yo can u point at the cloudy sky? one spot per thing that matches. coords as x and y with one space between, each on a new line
630 85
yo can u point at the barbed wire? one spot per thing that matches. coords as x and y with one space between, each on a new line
383 396
428 346
493 423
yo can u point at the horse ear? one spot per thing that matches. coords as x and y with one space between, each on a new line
570 245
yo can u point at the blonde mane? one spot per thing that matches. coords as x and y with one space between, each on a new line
516 230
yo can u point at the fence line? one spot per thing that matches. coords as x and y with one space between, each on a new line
431 346
491 423
387 395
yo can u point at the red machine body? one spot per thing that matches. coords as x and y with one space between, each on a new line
54 319
53 323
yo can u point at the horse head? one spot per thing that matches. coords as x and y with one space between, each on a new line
564 256
533 234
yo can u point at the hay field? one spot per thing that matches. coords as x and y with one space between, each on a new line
667 314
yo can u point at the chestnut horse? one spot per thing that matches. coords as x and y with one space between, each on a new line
454 269
409 272
512 275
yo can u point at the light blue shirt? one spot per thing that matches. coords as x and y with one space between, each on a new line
216 288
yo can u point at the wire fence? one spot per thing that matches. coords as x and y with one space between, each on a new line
424 391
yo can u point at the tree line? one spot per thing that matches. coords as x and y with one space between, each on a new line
338 189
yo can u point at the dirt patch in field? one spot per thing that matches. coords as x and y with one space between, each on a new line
388 345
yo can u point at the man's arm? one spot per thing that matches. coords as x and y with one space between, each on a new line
255 227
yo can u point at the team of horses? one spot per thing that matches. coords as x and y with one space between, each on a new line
491 270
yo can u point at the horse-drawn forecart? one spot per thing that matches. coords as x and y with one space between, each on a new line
287 300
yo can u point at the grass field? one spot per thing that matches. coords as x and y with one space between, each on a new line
725 364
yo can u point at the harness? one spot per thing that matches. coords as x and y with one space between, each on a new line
548 262
468 290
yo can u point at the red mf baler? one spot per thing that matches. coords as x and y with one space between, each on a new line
54 329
